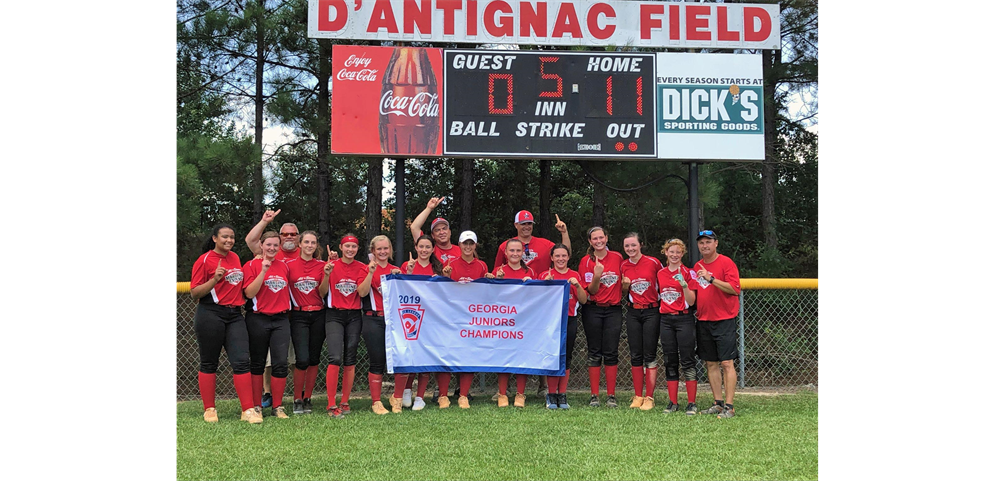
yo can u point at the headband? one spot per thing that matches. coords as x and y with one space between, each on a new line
349 238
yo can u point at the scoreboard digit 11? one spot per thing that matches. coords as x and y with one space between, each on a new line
511 103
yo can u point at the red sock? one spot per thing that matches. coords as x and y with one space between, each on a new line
332 383
376 382
650 381
611 373
551 384
207 383
279 385
563 382
411 381
243 388
348 376
257 389
520 380
422 384
594 373
637 380
310 379
401 380
672 391
442 379
692 387
465 380
299 381
503 383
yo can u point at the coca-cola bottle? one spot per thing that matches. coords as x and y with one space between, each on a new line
409 104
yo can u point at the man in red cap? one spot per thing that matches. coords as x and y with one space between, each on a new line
444 249
537 249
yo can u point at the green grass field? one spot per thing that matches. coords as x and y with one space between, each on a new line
771 437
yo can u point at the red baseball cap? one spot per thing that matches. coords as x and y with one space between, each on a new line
438 220
524 216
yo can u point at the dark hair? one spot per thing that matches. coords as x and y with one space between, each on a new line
639 240
590 248
432 260
558 245
209 244
317 251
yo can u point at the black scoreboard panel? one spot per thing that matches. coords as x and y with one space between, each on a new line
511 103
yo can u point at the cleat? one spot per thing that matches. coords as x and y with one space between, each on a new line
611 402
211 415
594 401
379 409
298 406
463 402
279 412
443 402
345 409
418 405
552 401
406 398
562 400
671 408
307 405
715 409
335 412
502 401
648 404
252 416
395 404
519 400
726 412
691 409
637 402
267 400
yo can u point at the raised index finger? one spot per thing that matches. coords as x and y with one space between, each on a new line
557 218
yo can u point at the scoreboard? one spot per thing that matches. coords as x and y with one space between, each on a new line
549 104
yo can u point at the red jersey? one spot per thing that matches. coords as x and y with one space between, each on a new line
343 282
419 270
453 252
642 274
274 295
228 291
304 279
572 305
536 254
464 271
713 304
670 291
283 255
520 273
610 291
374 300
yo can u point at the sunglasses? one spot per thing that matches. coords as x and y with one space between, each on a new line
288 234
706 232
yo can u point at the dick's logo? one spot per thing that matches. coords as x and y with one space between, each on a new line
411 317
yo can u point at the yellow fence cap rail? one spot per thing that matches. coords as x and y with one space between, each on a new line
184 287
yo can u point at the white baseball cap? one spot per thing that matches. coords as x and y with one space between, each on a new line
467 235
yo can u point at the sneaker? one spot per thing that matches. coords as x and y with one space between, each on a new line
211 415
611 402
552 401
502 401
671 408
335 412
495 396
252 416
379 409
307 405
648 404
715 409
443 402
561 399
298 406
463 402
280 412
726 412
345 409
267 400
418 405
594 401
395 404
406 398
519 400
691 410
637 402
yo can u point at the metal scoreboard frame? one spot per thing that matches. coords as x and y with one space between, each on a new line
558 112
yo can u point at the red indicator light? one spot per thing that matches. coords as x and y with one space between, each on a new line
633 146
619 146
608 101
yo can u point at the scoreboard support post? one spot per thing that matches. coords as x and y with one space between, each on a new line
693 212
399 211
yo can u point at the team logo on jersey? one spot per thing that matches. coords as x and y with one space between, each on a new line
446 257
306 284
529 256
411 317
609 279
234 276
275 283
701 280
639 287
588 277
465 280
669 295
346 286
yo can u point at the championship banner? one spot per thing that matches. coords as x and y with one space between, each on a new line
435 324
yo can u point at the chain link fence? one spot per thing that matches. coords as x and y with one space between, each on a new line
779 348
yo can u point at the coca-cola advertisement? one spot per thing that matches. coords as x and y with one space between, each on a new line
386 100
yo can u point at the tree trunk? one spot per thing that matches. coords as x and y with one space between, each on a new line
257 172
768 175
466 196
324 139
374 199
546 201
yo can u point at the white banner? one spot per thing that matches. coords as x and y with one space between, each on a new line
435 324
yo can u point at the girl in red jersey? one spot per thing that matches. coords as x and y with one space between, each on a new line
307 318
216 280
343 321
642 319
374 325
557 385
677 326
466 268
513 269
266 285
602 316
427 264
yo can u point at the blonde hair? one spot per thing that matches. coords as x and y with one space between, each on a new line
373 242
674 242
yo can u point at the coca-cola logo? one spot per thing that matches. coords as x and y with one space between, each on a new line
422 104
363 74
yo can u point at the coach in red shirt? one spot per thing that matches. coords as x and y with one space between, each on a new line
536 249
718 306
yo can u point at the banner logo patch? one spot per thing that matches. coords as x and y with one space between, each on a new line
411 317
